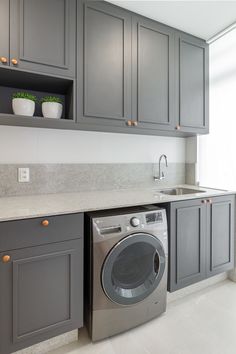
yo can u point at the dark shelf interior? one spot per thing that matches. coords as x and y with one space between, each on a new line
38 85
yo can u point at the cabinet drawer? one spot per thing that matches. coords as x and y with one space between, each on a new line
31 232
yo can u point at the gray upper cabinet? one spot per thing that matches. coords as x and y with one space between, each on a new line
42 35
4 31
187 243
104 64
192 84
220 241
153 74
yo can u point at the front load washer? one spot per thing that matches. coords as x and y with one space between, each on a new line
126 258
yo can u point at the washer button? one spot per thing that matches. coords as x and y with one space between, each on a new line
135 222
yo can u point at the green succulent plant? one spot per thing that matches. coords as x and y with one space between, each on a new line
51 99
25 95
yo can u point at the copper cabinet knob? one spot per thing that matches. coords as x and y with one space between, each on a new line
204 201
3 60
14 61
6 258
129 123
177 127
45 223
134 123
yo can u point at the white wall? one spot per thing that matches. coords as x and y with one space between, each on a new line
32 145
217 151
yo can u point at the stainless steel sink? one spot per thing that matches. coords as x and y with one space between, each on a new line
180 191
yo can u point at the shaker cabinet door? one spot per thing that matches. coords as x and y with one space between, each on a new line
42 35
187 243
104 64
220 241
42 294
192 86
153 74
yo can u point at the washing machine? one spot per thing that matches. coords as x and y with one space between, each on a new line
126 259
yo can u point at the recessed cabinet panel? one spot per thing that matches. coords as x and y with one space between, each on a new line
4 31
43 35
193 85
221 238
41 275
155 79
105 65
189 242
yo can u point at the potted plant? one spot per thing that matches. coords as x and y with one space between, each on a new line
23 103
52 107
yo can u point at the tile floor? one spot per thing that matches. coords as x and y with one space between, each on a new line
201 323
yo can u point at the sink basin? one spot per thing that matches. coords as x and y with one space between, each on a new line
180 191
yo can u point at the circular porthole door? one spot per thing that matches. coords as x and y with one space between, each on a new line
133 268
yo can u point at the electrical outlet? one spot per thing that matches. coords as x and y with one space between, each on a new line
23 174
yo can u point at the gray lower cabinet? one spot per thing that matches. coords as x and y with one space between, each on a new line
153 74
201 239
41 286
104 64
42 35
4 32
192 84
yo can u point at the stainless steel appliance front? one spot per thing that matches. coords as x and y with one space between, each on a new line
127 257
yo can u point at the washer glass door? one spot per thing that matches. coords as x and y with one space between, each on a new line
133 268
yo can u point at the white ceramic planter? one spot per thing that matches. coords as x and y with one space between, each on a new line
23 107
52 110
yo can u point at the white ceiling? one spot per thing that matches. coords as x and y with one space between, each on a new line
203 19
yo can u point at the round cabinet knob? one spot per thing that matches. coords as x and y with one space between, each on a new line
6 258
45 223
129 123
14 61
177 127
3 60
204 201
135 123
134 222
209 201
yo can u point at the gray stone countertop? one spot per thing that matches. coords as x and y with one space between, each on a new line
22 207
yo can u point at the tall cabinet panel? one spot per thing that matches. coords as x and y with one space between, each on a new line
42 35
104 64
4 31
192 85
153 74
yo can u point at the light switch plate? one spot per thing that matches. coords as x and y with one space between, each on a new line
23 174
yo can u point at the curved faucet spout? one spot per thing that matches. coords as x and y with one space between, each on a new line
161 173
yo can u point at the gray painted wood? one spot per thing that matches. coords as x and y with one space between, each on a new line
104 68
42 294
153 74
187 243
192 84
30 232
4 30
220 240
50 47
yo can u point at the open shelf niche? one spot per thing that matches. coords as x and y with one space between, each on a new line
40 85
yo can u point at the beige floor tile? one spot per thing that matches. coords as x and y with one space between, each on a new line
201 323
